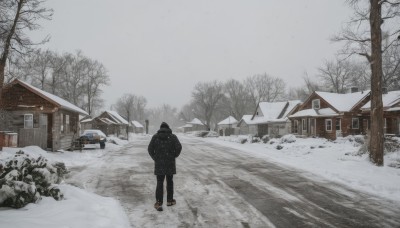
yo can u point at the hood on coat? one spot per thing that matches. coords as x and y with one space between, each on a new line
164 133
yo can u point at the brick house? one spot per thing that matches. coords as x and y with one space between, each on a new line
39 118
330 115
391 113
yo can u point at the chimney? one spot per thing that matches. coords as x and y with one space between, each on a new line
354 89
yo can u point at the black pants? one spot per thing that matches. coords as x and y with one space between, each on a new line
160 188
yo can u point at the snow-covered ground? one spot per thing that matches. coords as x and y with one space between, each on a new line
322 159
80 208
335 161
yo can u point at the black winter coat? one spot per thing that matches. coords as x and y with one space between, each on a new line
164 147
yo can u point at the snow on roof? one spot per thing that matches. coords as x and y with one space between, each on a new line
187 125
196 121
389 99
229 120
247 119
53 98
136 124
117 117
86 120
107 121
343 102
274 111
315 113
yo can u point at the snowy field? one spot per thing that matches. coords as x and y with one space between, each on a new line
320 158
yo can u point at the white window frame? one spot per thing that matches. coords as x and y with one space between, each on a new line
352 123
313 104
326 124
26 121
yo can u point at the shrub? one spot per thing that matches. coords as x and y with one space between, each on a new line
265 139
24 179
288 138
279 147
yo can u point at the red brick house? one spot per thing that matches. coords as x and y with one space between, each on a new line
39 118
330 115
391 113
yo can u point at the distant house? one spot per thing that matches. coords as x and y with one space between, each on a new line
270 118
40 118
194 125
111 123
136 127
227 126
86 123
329 115
391 113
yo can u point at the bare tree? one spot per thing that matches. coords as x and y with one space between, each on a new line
263 87
96 77
391 66
17 17
336 75
164 113
363 37
237 98
206 96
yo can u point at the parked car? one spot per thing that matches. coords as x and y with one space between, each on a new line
94 136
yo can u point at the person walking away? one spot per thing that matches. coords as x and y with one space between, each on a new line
164 148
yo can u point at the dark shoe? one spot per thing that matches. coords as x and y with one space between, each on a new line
158 206
171 202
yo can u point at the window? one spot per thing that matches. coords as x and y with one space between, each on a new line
28 121
304 123
338 124
328 125
355 123
67 123
316 104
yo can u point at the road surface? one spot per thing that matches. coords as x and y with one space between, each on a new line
218 186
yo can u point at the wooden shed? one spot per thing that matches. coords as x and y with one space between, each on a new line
40 118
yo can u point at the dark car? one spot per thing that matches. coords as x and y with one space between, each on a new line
94 137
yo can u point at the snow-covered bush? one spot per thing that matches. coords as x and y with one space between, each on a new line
265 139
279 147
24 179
212 134
288 138
255 140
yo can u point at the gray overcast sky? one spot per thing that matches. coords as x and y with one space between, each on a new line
160 48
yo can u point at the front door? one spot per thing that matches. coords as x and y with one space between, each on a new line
338 126
312 127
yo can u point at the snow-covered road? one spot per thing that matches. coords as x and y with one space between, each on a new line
218 186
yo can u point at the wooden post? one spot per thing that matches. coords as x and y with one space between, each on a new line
147 126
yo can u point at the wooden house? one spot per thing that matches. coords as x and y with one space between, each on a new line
194 125
330 115
136 127
39 118
391 113
111 123
269 118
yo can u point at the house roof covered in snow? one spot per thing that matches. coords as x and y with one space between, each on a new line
136 124
58 101
389 99
229 120
315 112
274 111
106 121
246 119
116 117
187 126
343 102
196 121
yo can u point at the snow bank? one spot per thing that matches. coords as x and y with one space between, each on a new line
79 209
